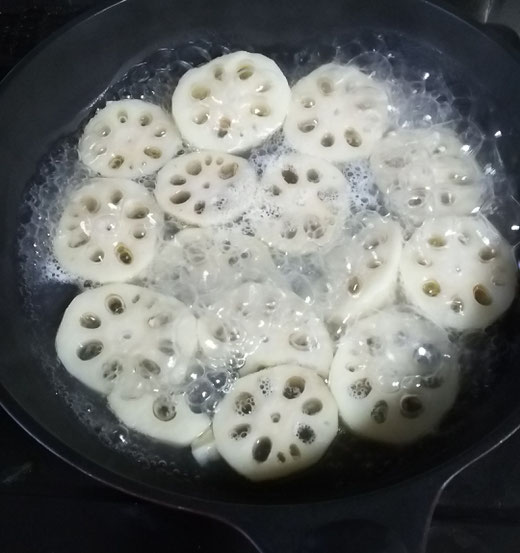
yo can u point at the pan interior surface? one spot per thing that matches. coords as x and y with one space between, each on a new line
67 412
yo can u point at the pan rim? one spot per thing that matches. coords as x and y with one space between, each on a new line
455 463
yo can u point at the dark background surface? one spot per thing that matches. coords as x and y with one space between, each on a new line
46 506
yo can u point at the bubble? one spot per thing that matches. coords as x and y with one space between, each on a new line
219 380
199 392
427 357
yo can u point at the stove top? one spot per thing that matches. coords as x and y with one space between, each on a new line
49 507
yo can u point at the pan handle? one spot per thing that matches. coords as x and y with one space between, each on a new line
395 520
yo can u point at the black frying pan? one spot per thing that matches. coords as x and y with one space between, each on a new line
383 505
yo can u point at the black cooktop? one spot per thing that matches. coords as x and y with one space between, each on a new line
46 506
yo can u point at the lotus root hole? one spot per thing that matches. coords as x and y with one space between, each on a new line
177 180
374 263
308 125
302 341
115 304
327 140
379 412
487 254
260 110
264 87
228 170
326 86
164 409
261 449
112 370
194 167
138 212
457 305
116 197
305 434
431 288
312 407
294 450
139 233
313 176
145 119
89 320
200 92
360 389
201 118
148 368
89 350
116 162
90 204
354 286
482 295
437 241
294 387
240 432
180 197
244 404
411 406
224 125
124 254
97 256
353 138
290 176
245 72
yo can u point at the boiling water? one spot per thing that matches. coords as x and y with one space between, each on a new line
423 93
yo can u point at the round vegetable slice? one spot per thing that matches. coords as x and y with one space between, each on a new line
259 325
364 269
337 113
206 188
427 172
107 231
459 271
204 449
304 205
394 376
125 333
203 264
275 422
232 103
129 138
161 415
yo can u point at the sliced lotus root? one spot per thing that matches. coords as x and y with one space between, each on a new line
107 231
427 172
259 325
459 272
304 206
204 449
364 269
337 113
206 188
394 376
275 422
121 333
129 138
160 415
232 103
204 264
